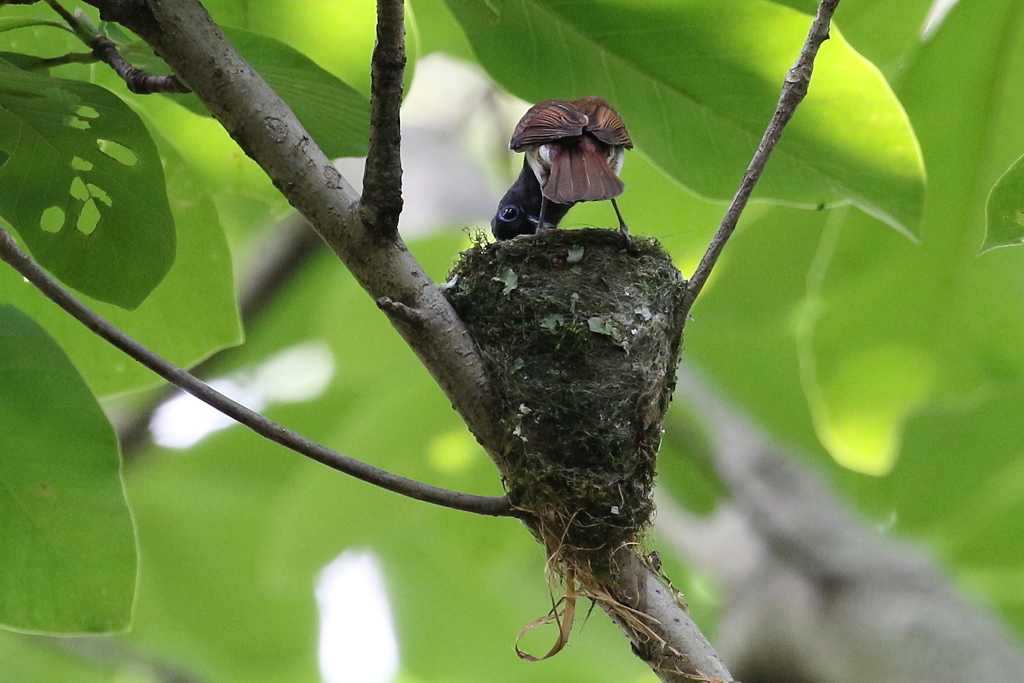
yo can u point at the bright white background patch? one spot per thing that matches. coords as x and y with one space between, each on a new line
357 638
184 420
299 373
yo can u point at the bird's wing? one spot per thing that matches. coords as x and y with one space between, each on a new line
547 122
603 122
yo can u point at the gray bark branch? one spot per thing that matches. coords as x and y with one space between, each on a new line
185 36
813 592
381 203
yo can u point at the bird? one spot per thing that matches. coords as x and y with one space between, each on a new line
519 210
575 150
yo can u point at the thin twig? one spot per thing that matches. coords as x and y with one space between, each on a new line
31 271
138 81
67 16
381 203
793 91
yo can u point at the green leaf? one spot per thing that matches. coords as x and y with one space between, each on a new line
67 545
807 6
83 185
116 33
602 326
697 82
1005 209
336 115
552 321
35 43
437 30
508 278
889 39
870 317
893 328
190 315
338 36
24 62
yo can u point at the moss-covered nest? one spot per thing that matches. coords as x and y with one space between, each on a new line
582 337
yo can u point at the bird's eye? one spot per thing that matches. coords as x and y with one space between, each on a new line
509 213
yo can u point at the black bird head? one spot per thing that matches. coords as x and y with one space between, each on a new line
519 210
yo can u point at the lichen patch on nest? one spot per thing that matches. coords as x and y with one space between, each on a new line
581 336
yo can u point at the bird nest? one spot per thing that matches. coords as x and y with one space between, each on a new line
581 337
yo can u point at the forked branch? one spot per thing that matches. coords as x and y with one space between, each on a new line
266 129
185 36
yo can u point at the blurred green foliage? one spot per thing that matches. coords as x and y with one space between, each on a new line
895 365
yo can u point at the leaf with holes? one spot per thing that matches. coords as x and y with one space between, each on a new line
67 543
81 182
191 314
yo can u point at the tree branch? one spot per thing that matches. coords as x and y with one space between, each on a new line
31 271
661 630
185 36
381 203
793 91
